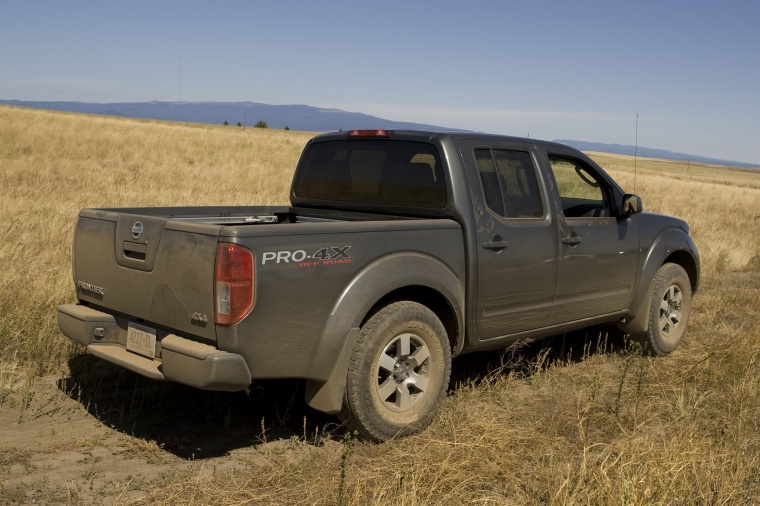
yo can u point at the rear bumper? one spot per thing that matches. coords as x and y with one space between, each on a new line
177 358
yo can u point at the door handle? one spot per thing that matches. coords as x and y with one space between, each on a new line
572 241
495 245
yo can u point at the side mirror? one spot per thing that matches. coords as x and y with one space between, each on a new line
632 204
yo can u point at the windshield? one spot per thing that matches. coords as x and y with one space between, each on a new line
376 171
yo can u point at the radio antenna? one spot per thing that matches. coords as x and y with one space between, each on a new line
635 153
179 98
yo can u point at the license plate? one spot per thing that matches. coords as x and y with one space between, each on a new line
141 339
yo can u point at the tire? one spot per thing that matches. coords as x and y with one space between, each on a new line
398 373
669 310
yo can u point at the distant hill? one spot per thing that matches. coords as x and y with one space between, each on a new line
664 154
295 117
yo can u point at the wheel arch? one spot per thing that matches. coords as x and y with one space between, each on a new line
689 264
448 314
672 245
413 276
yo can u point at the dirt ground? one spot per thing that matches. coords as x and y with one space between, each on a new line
106 436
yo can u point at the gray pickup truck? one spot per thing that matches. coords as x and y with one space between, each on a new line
400 250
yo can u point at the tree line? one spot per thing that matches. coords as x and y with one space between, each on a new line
260 124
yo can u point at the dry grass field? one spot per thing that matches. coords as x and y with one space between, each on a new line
579 420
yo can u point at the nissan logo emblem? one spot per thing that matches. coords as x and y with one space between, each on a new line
137 229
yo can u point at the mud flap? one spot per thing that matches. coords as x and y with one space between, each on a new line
327 396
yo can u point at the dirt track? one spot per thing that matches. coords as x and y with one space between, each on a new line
109 436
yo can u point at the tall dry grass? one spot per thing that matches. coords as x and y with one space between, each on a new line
602 429
598 425
721 205
54 164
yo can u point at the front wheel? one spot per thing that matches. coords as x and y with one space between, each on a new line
669 310
398 373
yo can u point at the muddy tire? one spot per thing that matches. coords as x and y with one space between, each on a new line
398 374
669 310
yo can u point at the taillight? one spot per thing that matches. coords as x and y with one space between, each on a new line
368 133
233 287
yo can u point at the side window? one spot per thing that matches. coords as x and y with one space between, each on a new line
581 191
521 193
509 183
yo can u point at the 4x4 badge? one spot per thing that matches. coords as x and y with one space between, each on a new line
137 229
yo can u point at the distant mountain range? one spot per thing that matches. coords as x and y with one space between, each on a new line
295 117
307 118
664 154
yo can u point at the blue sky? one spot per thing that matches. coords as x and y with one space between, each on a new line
578 70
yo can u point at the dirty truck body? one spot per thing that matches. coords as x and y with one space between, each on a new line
400 250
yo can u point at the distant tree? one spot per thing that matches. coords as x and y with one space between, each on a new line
225 123
287 127
239 124
261 124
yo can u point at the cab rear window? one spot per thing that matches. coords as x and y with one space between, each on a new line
376 171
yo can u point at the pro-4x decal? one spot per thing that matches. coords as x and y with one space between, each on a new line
330 255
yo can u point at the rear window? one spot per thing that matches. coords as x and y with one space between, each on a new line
375 171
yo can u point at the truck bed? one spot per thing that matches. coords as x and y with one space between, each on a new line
155 266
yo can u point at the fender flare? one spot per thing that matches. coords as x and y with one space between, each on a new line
331 355
670 245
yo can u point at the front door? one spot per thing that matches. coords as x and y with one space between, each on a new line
599 253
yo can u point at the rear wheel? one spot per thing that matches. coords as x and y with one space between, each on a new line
398 373
669 310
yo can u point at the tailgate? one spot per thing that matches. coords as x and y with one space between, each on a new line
147 267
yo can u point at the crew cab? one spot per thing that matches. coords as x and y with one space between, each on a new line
399 251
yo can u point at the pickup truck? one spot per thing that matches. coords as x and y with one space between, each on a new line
399 251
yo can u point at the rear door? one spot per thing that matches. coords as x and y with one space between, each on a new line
516 238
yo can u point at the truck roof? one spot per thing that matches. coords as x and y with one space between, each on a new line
430 135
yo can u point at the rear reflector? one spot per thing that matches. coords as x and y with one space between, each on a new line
369 133
234 283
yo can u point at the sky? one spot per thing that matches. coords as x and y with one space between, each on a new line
548 69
